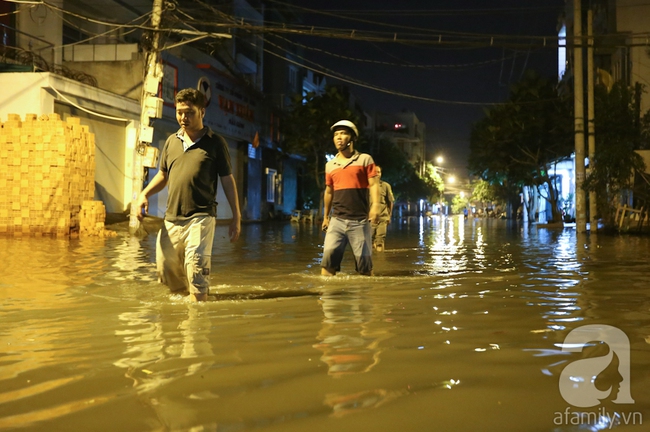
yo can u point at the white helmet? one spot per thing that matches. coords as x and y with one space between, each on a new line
348 124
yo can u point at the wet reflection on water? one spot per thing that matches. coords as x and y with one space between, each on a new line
462 328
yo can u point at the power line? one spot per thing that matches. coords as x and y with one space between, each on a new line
409 27
441 39
405 65
329 73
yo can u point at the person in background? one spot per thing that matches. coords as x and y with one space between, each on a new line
192 162
386 201
350 179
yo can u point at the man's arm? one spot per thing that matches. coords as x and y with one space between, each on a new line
375 209
157 183
327 200
391 200
230 189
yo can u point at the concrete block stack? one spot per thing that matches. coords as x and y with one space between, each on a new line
47 172
91 220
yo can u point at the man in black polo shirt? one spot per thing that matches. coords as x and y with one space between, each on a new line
191 164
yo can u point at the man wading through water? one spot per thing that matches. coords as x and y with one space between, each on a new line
350 179
191 164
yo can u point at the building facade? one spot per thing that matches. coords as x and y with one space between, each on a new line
407 132
68 58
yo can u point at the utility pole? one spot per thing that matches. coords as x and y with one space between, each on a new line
151 107
578 108
591 125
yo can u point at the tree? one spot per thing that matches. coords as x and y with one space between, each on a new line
458 203
517 143
407 185
484 192
619 129
306 131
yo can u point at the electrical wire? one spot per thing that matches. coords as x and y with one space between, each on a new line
16 12
95 113
98 35
327 72
454 39
405 65
25 2
425 30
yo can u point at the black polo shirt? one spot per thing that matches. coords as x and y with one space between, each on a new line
193 175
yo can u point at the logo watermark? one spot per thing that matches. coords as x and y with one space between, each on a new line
601 418
580 379
577 381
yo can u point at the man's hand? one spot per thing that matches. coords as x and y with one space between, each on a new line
375 211
234 230
326 223
141 203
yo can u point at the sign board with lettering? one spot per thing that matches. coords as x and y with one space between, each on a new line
233 111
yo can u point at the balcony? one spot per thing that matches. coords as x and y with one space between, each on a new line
99 52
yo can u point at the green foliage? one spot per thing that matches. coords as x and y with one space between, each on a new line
619 131
407 185
485 192
459 203
516 142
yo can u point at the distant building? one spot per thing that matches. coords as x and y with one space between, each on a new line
406 131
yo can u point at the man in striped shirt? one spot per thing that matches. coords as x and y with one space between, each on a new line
350 179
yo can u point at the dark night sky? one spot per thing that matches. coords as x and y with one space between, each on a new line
453 74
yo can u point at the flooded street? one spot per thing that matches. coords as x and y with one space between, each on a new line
461 329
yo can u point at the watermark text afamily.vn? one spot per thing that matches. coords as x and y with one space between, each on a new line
600 417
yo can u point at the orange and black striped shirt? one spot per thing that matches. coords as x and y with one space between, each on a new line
350 182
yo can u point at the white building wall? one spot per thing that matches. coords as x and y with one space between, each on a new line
110 117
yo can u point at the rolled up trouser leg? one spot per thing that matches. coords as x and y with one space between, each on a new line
170 257
198 253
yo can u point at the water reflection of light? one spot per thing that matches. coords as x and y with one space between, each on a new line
447 250
149 347
132 261
421 231
554 287
479 249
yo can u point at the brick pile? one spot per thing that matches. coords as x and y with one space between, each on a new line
91 220
47 171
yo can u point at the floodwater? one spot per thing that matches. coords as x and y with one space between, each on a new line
461 329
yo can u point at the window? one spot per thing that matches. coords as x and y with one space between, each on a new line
293 78
561 53
252 151
73 35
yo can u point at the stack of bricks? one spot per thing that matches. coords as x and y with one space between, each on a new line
91 220
47 172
